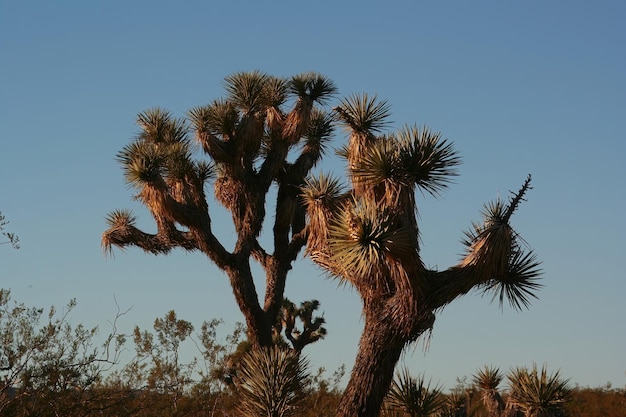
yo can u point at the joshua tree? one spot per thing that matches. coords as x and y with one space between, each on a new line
368 236
537 394
247 136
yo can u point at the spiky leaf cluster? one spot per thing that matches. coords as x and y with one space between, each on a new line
247 90
161 154
414 396
427 159
497 255
488 379
538 394
363 113
312 85
270 382
323 189
218 118
411 157
319 131
121 218
364 236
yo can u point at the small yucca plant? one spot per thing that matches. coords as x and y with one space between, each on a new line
537 394
414 397
270 382
488 379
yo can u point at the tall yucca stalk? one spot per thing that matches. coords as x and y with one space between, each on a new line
270 382
537 393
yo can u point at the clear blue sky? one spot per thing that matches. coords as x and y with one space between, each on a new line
520 87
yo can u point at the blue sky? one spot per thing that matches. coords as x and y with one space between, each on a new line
520 87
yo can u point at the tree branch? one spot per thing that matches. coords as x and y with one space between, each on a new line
128 235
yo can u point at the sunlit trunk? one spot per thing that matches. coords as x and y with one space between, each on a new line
380 347
379 351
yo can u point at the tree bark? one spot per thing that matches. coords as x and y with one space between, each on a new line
379 350
380 347
242 283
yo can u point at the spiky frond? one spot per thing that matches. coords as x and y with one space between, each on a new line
313 86
319 133
414 396
321 126
456 404
490 244
429 161
496 254
488 377
120 218
364 114
378 163
205 171
519 285
271 382
122 233
247 90
142 163
321 197
538 394
363 236
323 190
218 118
276 90
158 126
179 163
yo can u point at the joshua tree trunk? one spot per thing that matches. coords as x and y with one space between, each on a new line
258 323
380 347
379 350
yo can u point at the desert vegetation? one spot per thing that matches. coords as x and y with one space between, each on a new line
50 367
269 133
